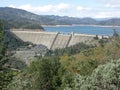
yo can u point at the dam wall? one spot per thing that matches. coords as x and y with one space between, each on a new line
36 37
61 41
52 40
77 38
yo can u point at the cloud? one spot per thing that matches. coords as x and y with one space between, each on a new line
80 8
108 14
64 9
98 13
111 3
43 9
13 6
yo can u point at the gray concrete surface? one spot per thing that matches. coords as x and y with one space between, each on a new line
52 40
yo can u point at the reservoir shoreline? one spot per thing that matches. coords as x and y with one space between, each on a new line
83 29
81 25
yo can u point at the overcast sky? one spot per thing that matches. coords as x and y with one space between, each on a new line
74 8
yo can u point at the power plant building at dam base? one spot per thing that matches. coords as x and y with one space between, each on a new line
52 40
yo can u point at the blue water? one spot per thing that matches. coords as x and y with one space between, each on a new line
83 29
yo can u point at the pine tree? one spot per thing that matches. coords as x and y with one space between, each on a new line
2 52
115 33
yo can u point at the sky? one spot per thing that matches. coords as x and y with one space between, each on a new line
72 8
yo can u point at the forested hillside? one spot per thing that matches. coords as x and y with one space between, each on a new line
15 18
5 74
8 43
11 42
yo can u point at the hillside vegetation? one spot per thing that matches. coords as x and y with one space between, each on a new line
79 67
8 65
12 43
91 68
15 18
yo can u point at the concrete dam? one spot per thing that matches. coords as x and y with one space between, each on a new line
52 40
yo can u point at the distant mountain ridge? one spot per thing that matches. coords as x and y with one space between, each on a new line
17 18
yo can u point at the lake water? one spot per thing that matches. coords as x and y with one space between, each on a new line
83 29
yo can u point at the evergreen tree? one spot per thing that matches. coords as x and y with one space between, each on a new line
44 74
115 33
105 77
2 51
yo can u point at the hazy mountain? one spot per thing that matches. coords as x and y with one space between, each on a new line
111 22
17 18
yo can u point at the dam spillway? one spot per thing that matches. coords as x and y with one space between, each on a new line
52 40
61 41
